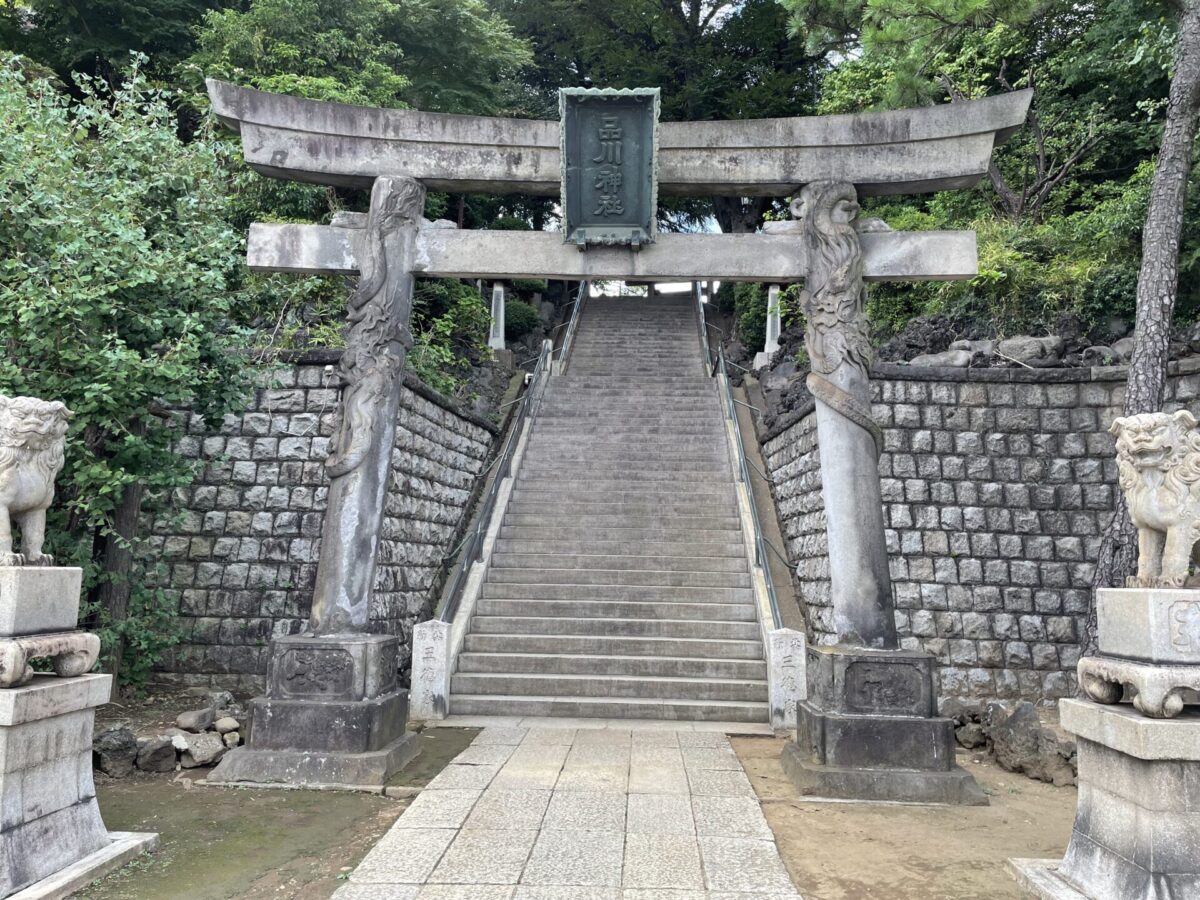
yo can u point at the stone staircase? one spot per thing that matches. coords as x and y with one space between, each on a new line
620 586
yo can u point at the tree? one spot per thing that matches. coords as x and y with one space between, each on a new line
1158 277
116 291
713 60
445 55
97 36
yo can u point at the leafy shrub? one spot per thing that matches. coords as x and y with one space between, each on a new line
750 310
450 324
520 318
117 286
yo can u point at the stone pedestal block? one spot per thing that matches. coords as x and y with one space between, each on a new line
49 819
35 600
868 731
1154 625
1137 826
332 715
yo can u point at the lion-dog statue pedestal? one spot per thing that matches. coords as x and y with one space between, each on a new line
51 833
1137 826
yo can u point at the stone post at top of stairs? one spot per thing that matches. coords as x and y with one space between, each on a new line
774 327
869 729
334 713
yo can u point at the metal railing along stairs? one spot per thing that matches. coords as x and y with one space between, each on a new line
470 549
717 366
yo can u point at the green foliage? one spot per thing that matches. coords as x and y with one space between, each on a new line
520 318
450 324
750 312
452 55
97 37
529 285
116 288
1059 218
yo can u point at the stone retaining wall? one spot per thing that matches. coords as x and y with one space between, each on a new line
241 543
997 484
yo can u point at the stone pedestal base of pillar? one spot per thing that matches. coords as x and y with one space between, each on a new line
868 731
49 819
1137 826
333 715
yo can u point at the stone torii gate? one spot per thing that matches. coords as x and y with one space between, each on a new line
398 154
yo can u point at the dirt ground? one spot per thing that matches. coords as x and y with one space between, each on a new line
218 843
849 851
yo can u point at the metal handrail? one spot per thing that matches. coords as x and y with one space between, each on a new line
470 549
572 324
729 409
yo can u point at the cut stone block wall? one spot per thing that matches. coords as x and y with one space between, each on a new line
997 484
240 545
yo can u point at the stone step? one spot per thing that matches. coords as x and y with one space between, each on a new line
672 508
607 686
615 645
617 609
647 533
638 577
587 562
652 473
495 590
539 491
559 517
665 628
539 455
555 545
608 708
645 666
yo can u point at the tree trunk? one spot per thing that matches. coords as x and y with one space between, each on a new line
1157 284
112 594
738 216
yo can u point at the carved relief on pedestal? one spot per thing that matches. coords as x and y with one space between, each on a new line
316 672
32 437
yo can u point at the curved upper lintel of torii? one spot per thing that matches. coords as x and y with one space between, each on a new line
904 151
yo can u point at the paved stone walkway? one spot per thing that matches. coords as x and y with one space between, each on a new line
580 814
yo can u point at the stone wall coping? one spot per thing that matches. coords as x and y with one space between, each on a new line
326 356
901 372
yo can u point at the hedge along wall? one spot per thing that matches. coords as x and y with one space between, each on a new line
241 543
997 484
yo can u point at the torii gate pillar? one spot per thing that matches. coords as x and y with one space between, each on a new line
334 712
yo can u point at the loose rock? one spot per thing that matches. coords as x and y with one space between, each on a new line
232 739
226 724
196 720
954 359
202 750
1038 352
156 755
1022 744
114 751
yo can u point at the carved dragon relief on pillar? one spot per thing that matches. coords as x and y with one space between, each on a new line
378 336
838 342
372 372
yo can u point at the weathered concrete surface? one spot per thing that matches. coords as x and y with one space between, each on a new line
36 599
902 151
48 814
1136 830
448 253
1149 624
868 731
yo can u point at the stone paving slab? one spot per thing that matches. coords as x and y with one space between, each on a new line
578 812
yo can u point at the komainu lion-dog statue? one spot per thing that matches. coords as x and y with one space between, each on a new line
1158 459
32 436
